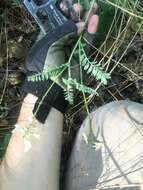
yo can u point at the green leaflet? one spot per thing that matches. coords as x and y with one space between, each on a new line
69 95
93 68
68 92
47 73
72 83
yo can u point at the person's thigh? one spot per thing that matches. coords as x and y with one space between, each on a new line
114 155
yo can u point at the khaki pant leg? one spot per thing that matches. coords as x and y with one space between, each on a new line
117 158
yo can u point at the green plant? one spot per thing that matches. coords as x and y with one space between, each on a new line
46 74
91 68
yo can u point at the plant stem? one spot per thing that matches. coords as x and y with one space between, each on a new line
81 35
44 96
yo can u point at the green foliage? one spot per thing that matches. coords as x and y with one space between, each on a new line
109 22
92 68
69 94
133 5
78 86
86 4
46 74
71 84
